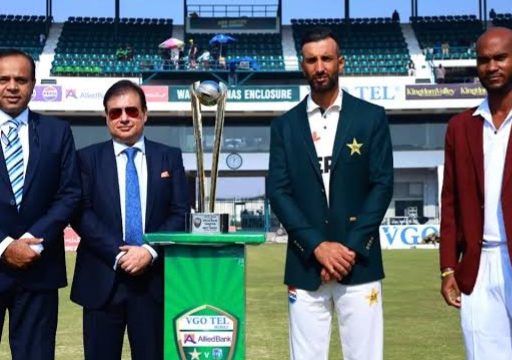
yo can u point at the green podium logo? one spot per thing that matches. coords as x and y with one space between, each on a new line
206 332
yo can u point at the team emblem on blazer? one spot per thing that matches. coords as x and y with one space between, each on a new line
355 147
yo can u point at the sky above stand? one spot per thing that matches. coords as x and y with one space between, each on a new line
62 9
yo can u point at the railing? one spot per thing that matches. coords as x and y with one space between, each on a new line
206 10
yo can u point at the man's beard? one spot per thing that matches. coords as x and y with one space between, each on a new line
331 84
500 90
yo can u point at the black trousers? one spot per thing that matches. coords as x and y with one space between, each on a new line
32 322
130 308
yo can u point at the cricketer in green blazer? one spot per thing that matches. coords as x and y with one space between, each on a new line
361 186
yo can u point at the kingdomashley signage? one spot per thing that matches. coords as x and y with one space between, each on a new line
244 94
444 91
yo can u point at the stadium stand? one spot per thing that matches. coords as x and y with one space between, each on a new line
371 46
447 37
88 45
265 49
503 20
25 32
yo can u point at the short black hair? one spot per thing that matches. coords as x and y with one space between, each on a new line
122 87
317 34
16 52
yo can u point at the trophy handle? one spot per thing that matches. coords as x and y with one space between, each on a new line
219 126
198 136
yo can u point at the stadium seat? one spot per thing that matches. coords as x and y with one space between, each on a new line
460 32
367 40
91 40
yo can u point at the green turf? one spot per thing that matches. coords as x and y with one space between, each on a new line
418 326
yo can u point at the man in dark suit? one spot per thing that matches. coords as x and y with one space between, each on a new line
39 190
330 181
130 186
476 218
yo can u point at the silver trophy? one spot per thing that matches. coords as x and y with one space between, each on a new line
208 93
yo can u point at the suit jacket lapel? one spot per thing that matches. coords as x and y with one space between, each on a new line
507 171
153 160
3 169
305 133
34 141
474 137
108 169
347 116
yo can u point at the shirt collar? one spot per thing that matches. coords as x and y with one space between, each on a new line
312 106
484 111
120 147
22 118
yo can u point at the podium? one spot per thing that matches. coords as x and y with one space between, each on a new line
204 294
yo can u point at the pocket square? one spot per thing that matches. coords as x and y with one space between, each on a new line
165 174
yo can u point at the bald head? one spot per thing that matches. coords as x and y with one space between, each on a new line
494 60
493 33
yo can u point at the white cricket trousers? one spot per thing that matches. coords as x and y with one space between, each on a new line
486 314
359 311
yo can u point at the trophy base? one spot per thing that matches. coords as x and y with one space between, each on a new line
208 223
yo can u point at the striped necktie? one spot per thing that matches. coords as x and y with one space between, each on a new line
133 214
14 160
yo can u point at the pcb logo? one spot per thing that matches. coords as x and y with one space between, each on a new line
206 332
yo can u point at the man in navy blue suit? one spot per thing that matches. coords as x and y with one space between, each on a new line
131 186
39 190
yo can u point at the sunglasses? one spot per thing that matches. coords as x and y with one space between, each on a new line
115 113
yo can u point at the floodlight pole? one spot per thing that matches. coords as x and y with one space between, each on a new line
185 5
48 15
485 14
116 18
482 12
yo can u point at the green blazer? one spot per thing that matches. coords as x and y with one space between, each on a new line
361 186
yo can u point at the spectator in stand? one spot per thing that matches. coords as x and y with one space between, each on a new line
192 54
175 58
204 59
492 14
232 76
181 59
440 73
411 68
121 53
396 16
222 62
42 38
128 52
165 56
472 48
445 49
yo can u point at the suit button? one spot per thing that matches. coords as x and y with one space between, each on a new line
12 202
327 221
323 190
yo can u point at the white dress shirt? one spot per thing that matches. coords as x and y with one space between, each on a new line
22 118
323 131
495 142
142 174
